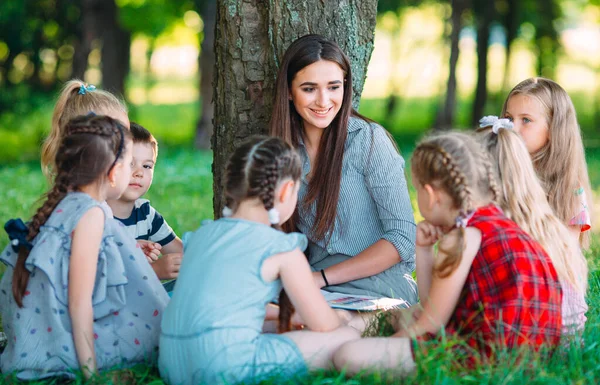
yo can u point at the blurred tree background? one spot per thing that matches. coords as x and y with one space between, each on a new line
436 63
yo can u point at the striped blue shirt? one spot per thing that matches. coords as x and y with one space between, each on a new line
147 224
373 203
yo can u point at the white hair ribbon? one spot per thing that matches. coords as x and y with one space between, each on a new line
496 123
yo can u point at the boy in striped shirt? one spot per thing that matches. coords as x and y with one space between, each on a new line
141 220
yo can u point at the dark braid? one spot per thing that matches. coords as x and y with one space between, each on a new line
254 171
87 151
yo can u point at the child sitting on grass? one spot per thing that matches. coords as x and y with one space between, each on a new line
141 220
490 284
76 295
523 200
233 268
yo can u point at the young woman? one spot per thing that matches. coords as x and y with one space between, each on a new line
353 201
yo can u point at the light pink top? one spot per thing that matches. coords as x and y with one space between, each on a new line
574 308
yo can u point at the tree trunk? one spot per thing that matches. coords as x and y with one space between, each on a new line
206 61
484 14
116 43
445 118
251 38
511 23
87 32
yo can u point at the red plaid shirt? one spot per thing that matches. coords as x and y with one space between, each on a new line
512 296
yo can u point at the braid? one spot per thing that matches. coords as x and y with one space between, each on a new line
20 273
268 185
494 188
98 129
459 188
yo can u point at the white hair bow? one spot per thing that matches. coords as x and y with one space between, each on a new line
496 123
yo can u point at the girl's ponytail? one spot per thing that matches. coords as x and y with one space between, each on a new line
53 141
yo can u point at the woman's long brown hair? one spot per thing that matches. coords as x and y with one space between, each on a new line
286 123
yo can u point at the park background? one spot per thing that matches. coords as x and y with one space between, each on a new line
160 60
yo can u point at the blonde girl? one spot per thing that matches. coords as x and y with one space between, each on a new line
524 201
77 98
490 283
544 116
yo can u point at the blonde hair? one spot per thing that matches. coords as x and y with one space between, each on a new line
455 163
524 201
560 163
70 104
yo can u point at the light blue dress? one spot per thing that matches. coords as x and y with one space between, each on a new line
212 328
128 300
373 204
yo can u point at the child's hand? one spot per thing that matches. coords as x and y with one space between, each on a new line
428 234
151 250
167 267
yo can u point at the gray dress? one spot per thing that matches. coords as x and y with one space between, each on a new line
128 300
373 204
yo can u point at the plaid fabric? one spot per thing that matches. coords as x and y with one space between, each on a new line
512 295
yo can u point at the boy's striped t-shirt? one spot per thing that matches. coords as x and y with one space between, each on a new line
146 223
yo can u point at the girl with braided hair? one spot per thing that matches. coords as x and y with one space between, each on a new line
523 200
490 285
77 294
233 268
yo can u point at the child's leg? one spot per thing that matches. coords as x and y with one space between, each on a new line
366 354
317 348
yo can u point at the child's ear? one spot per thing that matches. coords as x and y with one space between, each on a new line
432 196
112 174
286 189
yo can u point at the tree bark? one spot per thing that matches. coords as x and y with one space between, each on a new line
116 43
511 23
251 38
206 63
484 14
445 118
88 31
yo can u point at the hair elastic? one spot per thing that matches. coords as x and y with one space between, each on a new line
324 277
496 123
462 220
227 212
17 233
274 216
85 89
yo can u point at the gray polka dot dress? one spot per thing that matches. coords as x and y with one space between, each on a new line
128 300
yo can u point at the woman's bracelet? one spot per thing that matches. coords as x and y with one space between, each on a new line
324 277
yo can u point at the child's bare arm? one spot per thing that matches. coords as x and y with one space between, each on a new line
82 275
445 291
175 246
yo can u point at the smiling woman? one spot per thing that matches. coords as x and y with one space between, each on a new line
353 200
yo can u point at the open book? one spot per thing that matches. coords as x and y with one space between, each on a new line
362 302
